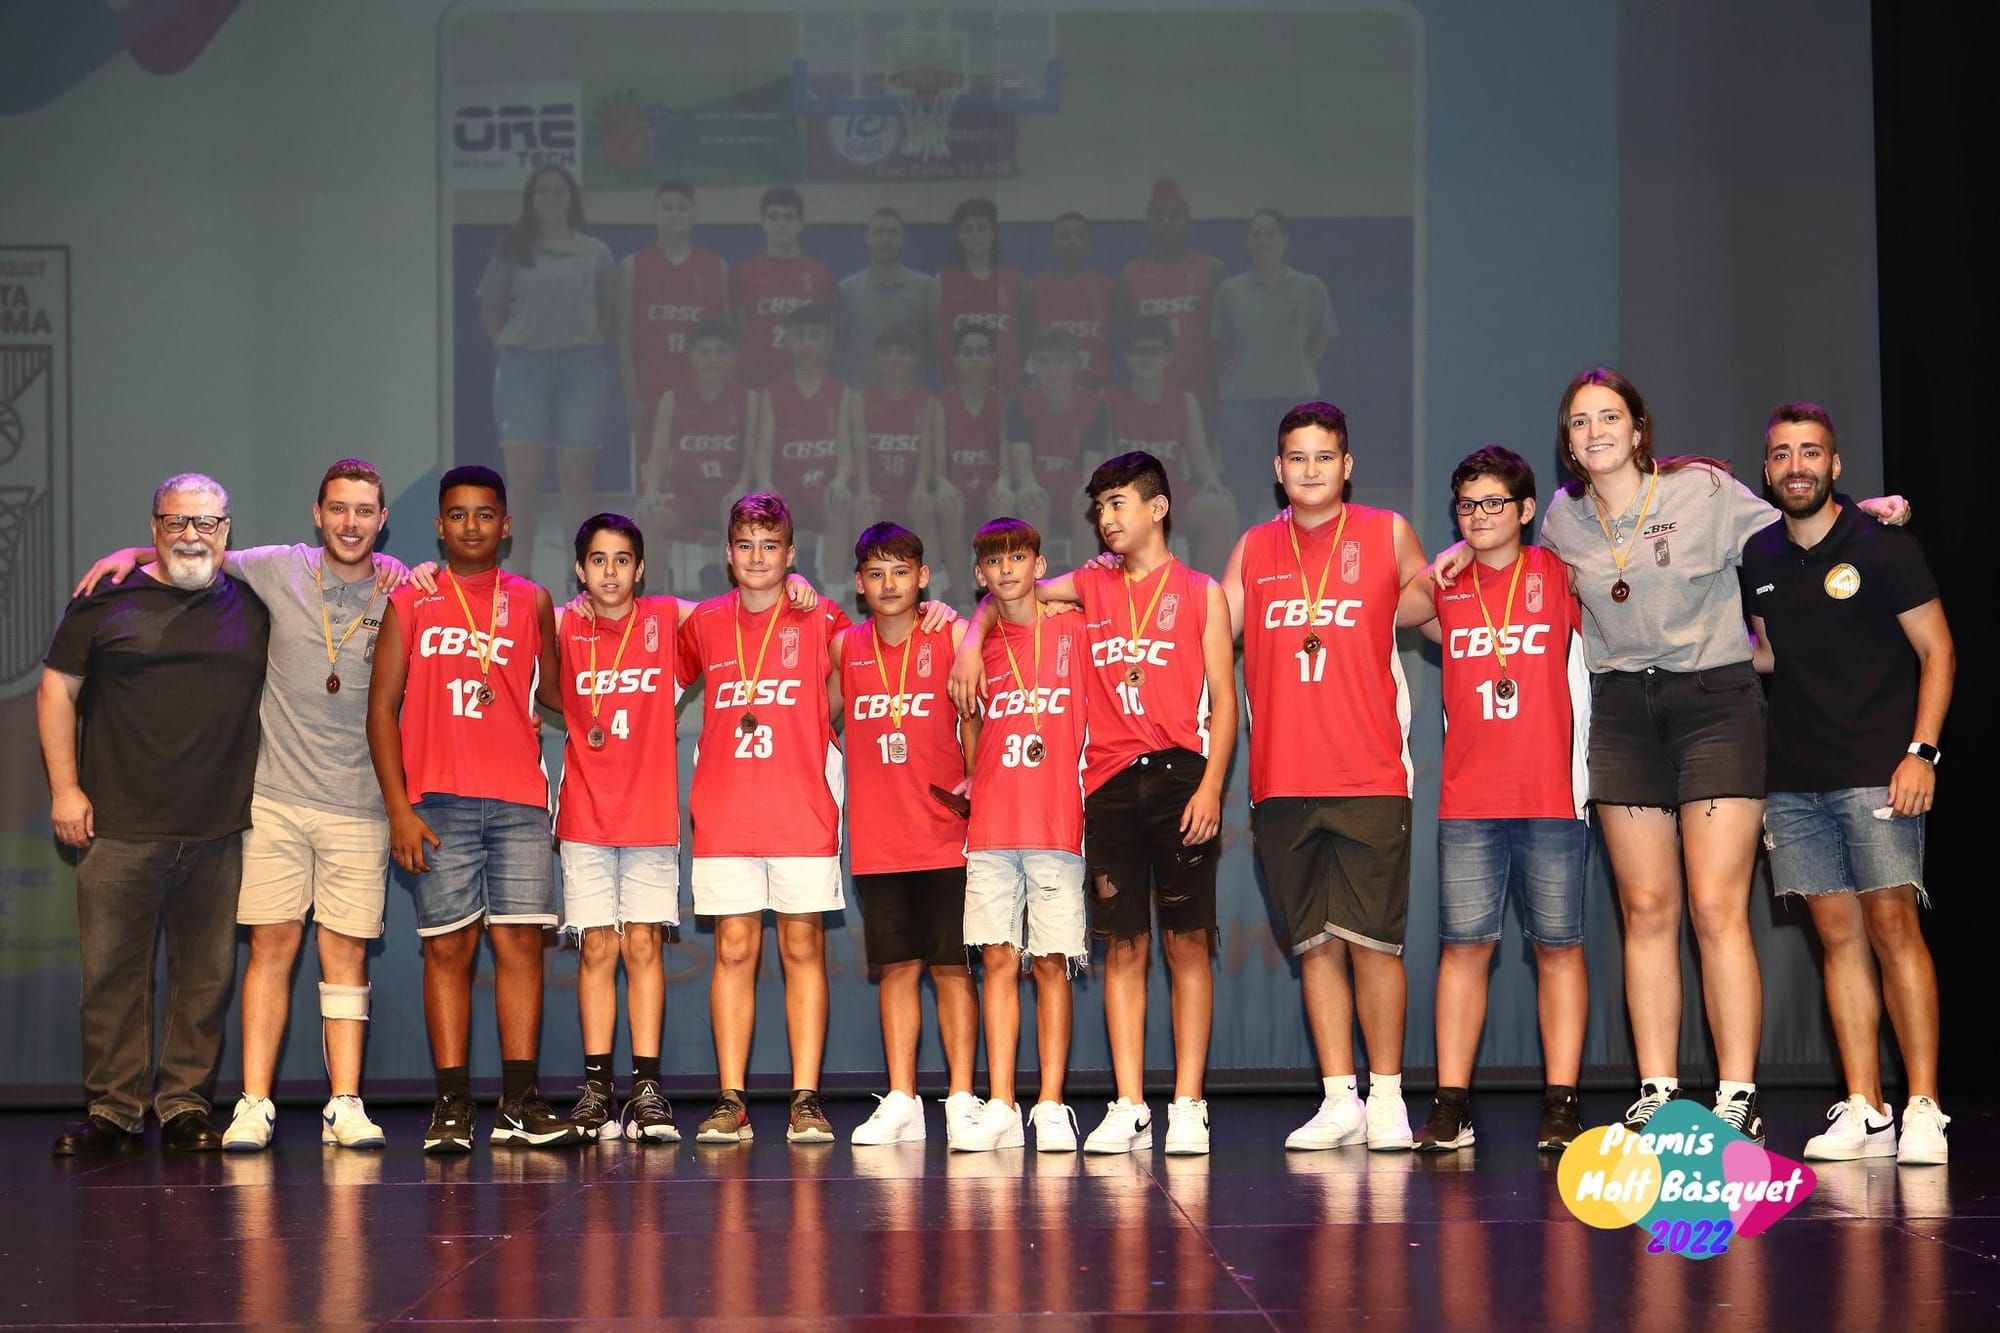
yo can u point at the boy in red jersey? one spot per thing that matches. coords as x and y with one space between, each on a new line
887 451
971 464
1075 298
1314 593
1164 420
1024 848
798 428
1513 809
1055 433
765 289
1177 284
666 291
451 730
1162 700
700 455
908 850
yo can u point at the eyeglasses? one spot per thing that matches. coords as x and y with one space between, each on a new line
205 524
1492 504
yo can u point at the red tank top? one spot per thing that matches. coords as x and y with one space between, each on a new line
1182 292
805 439
1167 707
988 303
1335 722
763 291
1158 428
668 300
893 822
1058 443
1027 792
454 743
625 793
708 438
772 790
1521 756
1080 305
895 431
972 445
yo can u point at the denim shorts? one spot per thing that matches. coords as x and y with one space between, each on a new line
1831 842
1045 886
494 860
551 397
1541 861
610 886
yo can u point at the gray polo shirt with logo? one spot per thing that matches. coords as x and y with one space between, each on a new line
870 306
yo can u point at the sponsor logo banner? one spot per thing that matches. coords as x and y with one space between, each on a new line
496 135
715 131
873 147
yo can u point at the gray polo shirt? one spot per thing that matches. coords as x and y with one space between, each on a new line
1267 328
315 749
1685 612
870 305
553 304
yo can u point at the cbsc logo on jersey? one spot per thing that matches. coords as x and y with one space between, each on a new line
458 641
1298 612
1022 703
870 707
1478 641
765 694
630 680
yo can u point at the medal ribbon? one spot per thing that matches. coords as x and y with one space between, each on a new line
757 673
484 647
1292 531
1506 613
1618 558
596 699
1131 608
902 674
1033 693
326 623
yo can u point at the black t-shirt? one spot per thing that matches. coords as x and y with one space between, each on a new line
1844 696
171 684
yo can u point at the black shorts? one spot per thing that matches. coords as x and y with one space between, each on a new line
913 916
1667 738
1336 867
1133 853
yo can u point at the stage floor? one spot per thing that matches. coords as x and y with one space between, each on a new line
769 1235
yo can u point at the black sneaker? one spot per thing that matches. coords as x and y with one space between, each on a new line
593 1113
1740 1113
526 1121
1450 1126
1562 1121
809 1123
1651 1098
451 1125
649 1116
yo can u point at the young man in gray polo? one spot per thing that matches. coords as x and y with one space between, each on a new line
884 296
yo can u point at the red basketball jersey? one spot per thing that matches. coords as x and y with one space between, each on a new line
705 460
668 300
990 303
1521 756
1161 428
1080 305
764 289
894 431
773 790
1027 789
1182 292
893 822
1168 705
1335 722
453 743
972 446
805 443
1058 432
625 793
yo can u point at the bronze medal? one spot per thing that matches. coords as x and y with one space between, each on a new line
333 682
1620 591
899 748
485 696
747 724
1313 645
1136 677
1035 751
594 738
1505 689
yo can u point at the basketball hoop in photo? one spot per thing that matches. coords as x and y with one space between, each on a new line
925 96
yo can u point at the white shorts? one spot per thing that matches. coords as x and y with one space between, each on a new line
1046 887
611 886
735 885
295 857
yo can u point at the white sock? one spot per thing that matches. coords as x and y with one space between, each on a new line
1728 1088
1339 1085
1664 1082
1385 1085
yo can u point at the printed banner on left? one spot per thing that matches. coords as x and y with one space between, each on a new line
34 456
495 135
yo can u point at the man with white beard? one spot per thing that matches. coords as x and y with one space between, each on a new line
156 794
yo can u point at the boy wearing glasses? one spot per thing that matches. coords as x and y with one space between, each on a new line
1513 813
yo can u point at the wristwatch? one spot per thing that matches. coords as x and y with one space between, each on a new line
1927 753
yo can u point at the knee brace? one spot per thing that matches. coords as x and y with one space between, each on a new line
349 1002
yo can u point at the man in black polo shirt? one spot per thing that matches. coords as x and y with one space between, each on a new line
1863 668
164 673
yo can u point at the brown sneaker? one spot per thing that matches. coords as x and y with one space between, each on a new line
809 1123
729 1122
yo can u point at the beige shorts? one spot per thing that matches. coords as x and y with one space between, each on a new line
295 857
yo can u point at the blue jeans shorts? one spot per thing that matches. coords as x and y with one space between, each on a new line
495 861
551 397
1831 842
1541 861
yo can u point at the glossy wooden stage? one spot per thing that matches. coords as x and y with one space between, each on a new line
1251 1237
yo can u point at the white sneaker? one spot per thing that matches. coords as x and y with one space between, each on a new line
1126 1127
1859 1130
344 1121
1340 1122
1055 1127
1923 1134
1187 1127
250 1125
998 1126
961 1112
1388 1124
898 1118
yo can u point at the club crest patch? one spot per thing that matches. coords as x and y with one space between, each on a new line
1842 582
